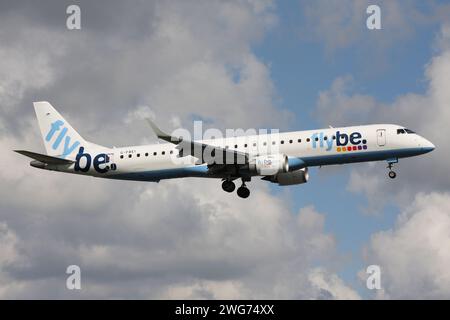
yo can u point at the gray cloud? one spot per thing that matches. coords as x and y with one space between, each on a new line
176 60
413 256
425 113
339 24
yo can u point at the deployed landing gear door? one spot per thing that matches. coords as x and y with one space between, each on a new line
381 137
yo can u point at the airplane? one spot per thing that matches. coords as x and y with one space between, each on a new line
282 158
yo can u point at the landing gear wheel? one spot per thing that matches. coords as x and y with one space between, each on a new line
243 192
228 186
392 174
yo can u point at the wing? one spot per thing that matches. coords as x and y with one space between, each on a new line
44 158
200 149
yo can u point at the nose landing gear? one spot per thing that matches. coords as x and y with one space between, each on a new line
392 173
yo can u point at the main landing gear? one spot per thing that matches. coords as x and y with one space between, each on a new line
242 191
228 186
392 173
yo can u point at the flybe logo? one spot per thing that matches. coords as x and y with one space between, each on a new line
340 141
100 163
83 160
67 147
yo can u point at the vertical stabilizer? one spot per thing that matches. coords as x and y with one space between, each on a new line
60 138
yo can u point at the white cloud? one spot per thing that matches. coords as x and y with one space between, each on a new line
414 256
331 286
426 114
337 105
339 24
172 239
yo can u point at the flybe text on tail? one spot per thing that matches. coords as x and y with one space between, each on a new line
68 148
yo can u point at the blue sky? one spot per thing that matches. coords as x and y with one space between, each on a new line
301 68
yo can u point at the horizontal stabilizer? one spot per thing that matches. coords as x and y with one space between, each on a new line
44 158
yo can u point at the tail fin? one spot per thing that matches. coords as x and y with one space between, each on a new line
60 139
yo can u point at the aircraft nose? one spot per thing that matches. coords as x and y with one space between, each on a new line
428 146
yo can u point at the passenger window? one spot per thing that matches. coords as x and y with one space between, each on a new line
265 143
273 142
138 155
308 139
245 145
235 146
171 151
146 154
254 144
154 153
290 141
163 153
299 140
282 141
121 157
317 139
129 156
325 138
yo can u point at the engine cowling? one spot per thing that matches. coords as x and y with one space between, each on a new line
290 178
269 165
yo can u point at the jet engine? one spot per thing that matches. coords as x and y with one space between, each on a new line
269 165
289 178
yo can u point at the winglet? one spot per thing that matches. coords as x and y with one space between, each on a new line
161 134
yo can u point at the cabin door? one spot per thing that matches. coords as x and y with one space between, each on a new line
381 137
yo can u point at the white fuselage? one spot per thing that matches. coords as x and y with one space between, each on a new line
303 148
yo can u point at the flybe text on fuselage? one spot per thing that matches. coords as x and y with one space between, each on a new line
341 141
100 162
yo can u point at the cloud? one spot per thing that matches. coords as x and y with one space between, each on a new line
330 286
165 240
176 61
426 114
185 59
336 24
413 256
340 24
339 104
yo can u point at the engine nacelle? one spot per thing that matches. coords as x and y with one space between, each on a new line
290 178
269 165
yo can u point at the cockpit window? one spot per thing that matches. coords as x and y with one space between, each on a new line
400 131
409 131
